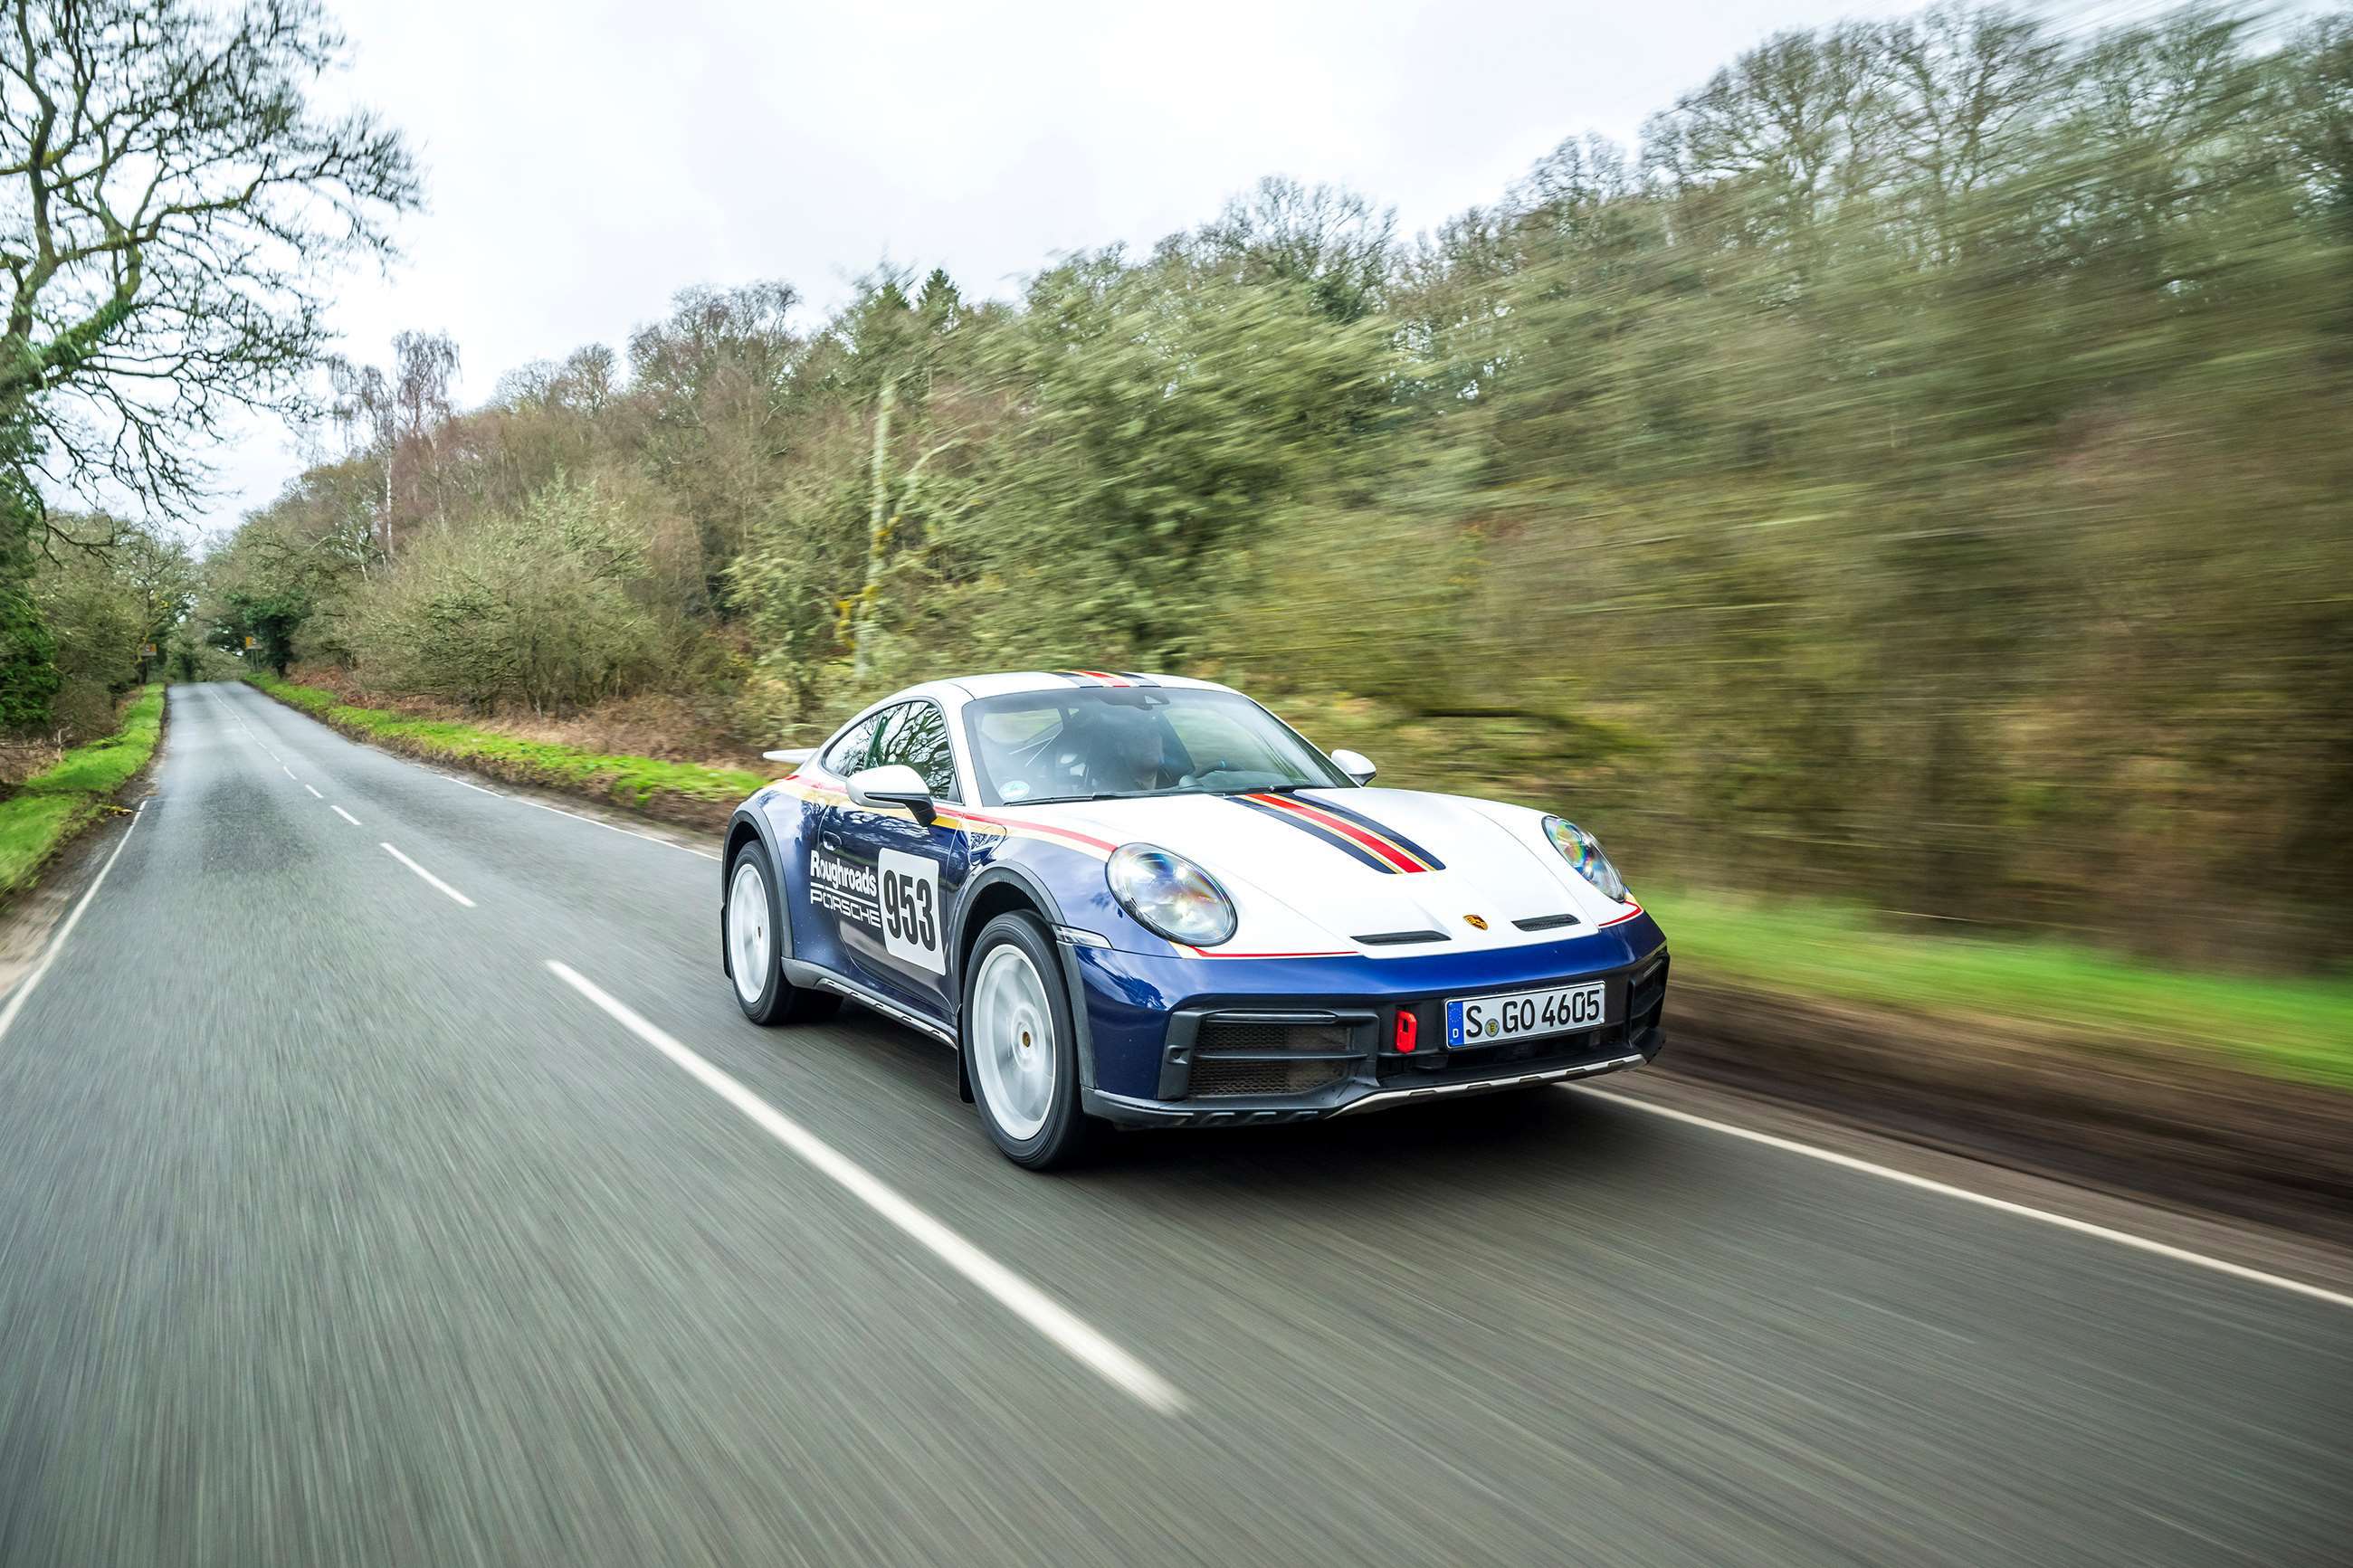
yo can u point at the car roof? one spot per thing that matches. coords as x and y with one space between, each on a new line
1002 683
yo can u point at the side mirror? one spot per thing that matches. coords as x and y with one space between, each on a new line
1356 764
894 784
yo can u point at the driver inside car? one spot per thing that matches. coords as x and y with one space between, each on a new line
1124 752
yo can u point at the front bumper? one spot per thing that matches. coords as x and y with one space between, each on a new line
1197 1043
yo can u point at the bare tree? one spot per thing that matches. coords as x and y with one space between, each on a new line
1796 124
171 203
1328 239
398 420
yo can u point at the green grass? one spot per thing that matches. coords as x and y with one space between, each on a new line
635 781
2298 1028
49 808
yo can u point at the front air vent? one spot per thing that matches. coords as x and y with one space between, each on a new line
1256 1036
1545 923
1216 1077
1397 938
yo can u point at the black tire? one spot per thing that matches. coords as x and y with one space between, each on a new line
777 1000
1068 1135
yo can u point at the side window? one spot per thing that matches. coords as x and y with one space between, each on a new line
848 754
917 735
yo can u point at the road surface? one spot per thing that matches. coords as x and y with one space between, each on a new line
337 1226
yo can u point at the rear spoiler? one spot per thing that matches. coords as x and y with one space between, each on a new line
804 754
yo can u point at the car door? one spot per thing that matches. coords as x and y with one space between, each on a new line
840 896
916 870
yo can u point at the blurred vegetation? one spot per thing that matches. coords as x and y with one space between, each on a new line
1918 474
2299 1028
45 810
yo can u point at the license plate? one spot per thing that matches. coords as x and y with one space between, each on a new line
1555 1010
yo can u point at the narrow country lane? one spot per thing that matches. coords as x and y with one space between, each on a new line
337 1226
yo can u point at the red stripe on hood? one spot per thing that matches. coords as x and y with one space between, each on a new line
1342 826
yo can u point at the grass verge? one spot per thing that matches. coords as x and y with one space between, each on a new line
2294 1028
50 807
688 791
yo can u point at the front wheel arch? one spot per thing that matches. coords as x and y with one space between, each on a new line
1068 1135
1002 888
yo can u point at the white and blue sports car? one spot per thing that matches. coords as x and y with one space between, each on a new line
1146 901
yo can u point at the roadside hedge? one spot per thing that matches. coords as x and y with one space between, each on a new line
681 792
50 807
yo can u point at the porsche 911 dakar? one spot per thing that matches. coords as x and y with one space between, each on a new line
1145 902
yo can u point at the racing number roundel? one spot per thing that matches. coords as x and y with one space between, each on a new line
912 918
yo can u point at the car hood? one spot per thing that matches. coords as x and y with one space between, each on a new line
1320 871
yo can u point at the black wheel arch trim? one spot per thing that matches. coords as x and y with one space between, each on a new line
747 815
1051 911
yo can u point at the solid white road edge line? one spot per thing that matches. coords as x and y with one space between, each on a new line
1016 1295
543 805
346 815
57 943
2082 1227
314 794
428 876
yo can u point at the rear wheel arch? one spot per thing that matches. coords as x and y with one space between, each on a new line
753 915
739 832
747 828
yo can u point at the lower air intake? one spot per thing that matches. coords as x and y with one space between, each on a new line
1251 1035
1213 1077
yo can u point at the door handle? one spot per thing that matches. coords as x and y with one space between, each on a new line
830 840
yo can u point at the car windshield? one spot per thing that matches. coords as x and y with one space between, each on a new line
1111 743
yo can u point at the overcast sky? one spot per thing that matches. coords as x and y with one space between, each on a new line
585 161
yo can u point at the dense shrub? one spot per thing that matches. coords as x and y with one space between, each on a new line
532 606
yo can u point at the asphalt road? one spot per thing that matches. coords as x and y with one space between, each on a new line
336 1227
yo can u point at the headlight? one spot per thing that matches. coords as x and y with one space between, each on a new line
1583 851
1170 896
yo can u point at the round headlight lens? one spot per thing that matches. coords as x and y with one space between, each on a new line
1170 896
1583 851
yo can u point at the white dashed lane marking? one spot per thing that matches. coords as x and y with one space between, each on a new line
428 876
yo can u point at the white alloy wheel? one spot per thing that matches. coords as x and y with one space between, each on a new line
1011 1039
750 947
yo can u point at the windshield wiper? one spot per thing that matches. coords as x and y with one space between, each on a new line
1269 789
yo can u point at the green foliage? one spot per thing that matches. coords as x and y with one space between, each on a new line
28 662
28 650
107 606
49 808
530 608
